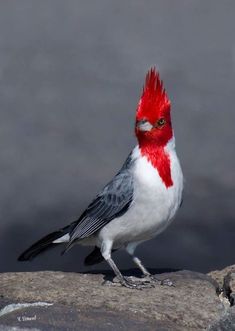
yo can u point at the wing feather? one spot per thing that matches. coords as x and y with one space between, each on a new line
113 201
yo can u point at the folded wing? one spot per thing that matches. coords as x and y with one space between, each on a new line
113 201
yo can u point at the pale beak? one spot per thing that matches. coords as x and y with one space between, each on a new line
144 125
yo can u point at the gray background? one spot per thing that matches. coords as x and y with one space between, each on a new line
71 73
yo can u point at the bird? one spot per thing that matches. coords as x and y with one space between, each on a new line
140 201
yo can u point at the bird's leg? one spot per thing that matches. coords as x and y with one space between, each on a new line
106 253
140 265
130 248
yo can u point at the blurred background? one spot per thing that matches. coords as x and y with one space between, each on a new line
71 74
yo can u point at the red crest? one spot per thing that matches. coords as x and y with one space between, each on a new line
154 101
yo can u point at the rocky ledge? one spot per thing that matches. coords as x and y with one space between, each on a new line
69 301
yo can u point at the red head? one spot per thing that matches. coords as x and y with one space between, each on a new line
153 118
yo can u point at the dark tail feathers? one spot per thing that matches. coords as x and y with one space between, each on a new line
46 243
43 244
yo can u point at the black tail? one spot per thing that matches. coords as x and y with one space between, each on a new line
43 244
46 243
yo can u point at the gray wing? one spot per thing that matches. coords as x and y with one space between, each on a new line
113 201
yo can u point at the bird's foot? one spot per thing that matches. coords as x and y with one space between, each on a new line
136 283
131 282
156 280
148 281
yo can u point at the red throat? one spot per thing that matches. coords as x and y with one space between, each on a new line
153 106
160 160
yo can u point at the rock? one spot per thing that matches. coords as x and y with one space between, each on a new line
226 323
229 286
90 302
226 281
219 275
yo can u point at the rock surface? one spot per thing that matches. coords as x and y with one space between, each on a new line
69 301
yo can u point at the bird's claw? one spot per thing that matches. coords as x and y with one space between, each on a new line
148 281
136 283
131 282
162 282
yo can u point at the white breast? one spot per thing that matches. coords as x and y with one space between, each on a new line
153 206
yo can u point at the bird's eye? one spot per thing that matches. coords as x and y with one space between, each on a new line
161 122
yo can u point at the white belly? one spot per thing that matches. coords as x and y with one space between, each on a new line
153 206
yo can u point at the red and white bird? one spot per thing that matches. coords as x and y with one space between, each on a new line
140 201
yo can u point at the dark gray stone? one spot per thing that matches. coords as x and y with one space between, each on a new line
226 323
90 301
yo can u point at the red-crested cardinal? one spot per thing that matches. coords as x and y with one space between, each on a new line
140 201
